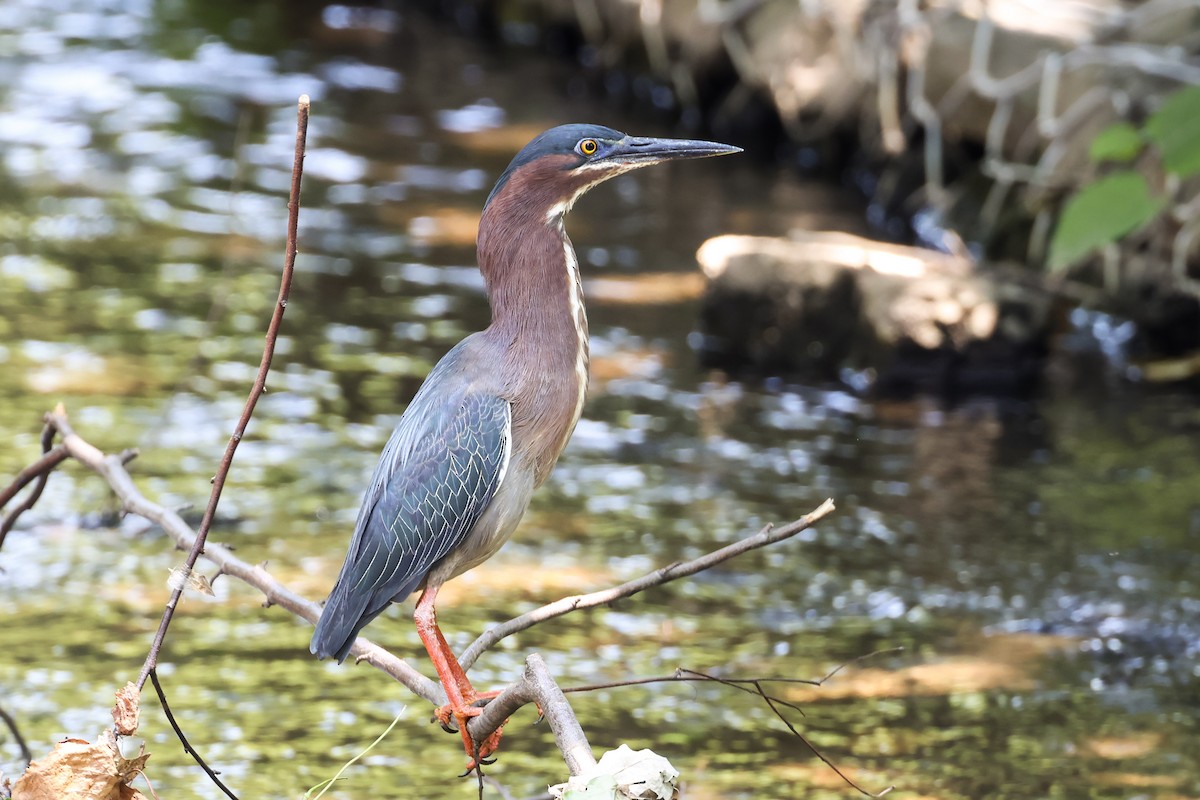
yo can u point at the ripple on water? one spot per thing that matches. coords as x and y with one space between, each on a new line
347 73
472 118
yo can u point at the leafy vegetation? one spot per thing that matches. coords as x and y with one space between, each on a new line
1121 202
1103 212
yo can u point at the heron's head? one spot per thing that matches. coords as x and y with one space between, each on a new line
560 165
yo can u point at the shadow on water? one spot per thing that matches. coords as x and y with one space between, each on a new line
1038 564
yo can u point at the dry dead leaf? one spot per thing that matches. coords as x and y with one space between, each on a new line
129 768
127 710
76 770
623 773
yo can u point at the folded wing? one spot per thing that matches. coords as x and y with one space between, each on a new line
436 477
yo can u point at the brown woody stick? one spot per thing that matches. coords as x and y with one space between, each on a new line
39 470
256 391
536 685
47 462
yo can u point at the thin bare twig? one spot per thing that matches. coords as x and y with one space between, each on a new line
22 745
47 462
768 535
773 703
256 391
40 470
162 700
537 685
684 675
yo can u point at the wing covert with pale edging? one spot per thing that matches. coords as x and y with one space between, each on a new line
427 493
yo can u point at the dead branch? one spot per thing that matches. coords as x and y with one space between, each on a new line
11 724
685 675
39 470
754 686
768 535
256 391
773 703
187 746
536 685
47 462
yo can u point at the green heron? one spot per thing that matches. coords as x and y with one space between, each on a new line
489 423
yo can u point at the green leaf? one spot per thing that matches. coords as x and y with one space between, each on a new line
1119 142
1100 213
1175 130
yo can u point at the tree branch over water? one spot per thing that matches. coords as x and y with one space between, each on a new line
133 501
768 535
22 745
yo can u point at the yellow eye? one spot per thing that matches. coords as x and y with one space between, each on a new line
588 147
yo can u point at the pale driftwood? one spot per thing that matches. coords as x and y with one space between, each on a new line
818 302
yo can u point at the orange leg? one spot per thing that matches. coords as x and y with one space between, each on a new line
459 691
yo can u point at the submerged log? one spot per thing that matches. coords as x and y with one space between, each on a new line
818 303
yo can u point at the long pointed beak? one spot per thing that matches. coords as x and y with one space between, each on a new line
642 151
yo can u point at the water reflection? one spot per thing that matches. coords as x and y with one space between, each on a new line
1036 563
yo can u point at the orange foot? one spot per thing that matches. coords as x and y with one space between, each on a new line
464 700
456 719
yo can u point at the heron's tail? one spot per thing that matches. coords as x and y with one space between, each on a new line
344 616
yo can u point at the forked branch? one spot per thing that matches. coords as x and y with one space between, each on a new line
37 471
536 685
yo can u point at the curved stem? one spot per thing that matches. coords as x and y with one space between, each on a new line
256 391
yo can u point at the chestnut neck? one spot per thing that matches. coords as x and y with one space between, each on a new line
538 339
529 265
